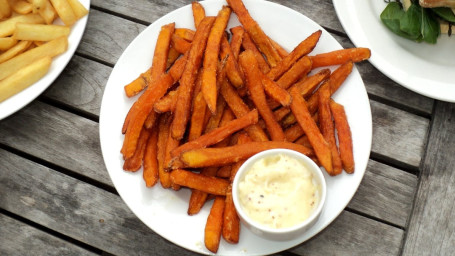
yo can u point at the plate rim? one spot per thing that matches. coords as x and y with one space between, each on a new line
383 66
361 169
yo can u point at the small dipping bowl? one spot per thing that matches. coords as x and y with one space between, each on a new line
285 233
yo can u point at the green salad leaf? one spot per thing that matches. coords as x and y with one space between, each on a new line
416 23
444 13
411 21
430 27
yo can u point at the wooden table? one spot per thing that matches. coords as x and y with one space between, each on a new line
56 197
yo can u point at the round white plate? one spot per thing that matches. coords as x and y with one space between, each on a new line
164 211
18 101
423 68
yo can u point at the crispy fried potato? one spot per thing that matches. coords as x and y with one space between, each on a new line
24 77
40 32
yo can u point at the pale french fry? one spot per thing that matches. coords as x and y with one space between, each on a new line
15 50
78 9
64 11
5 9
21 6
37 5
7 42
40 32
8 26
24 78
51 49
48 12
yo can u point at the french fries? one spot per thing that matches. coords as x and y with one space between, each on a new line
24 77
221 102
28 35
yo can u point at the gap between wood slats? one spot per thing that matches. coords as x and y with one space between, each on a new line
68 108
123 16
394 163
400 106
373 218
60 169
51 232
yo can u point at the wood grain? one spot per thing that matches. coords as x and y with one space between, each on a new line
431 228
76 209
351 234
79 86
385 193
18 238
58 137
398 135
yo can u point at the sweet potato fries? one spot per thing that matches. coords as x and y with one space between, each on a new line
208 104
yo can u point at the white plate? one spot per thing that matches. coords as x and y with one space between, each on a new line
164 211
423 68
18 101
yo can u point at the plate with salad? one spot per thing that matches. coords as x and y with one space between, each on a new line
411 41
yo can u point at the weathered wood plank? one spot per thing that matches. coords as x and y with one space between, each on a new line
398 135
432 229
147 11
385 193
107 36
76 209
351 234
80 85
18 238
102 220
58 137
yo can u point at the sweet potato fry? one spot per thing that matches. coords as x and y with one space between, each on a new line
211 185
166 103
214 120
224 172
163 133
236 40
198 13
336 80
134 162
231 220
158 64
160 54
141 110
303 116
297 71
185 33
254 83
239 108
281 113
233 71
197 117
210 63
172 56
212 232
255 31
182 110
303 141
293 133
180 44
300 50
150 172
344 136
276 92
198 198
227 155
307 85
151 119
248 44
327 127
281 51
340 56
218 134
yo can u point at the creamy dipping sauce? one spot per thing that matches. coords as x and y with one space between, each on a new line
279 192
